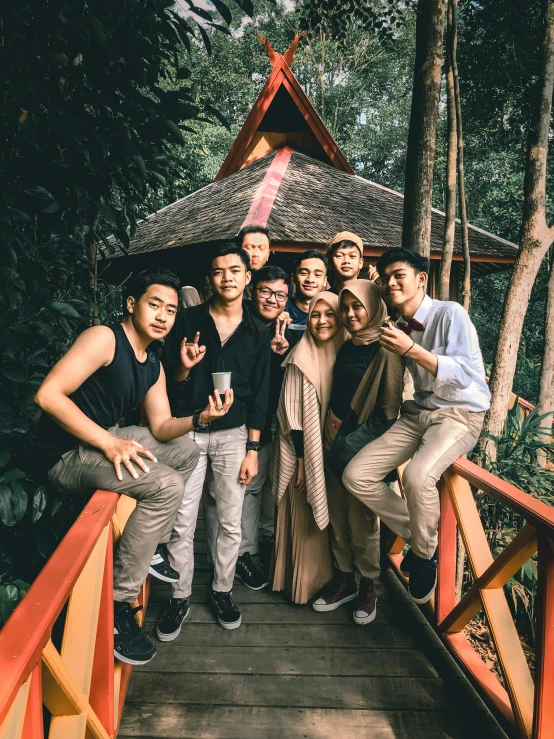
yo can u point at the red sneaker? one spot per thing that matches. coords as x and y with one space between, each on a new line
366 603
342 589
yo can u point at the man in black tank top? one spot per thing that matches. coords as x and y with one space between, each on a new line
107 373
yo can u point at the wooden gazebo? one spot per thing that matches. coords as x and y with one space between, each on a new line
286 172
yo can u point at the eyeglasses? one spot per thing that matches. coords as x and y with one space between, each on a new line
280 296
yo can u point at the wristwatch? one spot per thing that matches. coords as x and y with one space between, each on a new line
253 446
197 423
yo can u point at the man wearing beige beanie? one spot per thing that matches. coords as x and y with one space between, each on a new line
345 253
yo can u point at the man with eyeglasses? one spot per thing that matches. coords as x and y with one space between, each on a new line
270 291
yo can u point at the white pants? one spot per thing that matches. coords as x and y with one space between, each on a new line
257 510
224 452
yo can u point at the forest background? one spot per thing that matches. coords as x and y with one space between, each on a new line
363 94
189 99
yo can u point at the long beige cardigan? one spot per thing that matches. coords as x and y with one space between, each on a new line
299 410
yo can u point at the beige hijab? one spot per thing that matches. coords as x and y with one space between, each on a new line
316 359
369 296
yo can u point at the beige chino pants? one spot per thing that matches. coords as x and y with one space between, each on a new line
432 440
354 528
221 452
158 493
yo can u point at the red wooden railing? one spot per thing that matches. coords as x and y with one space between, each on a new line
84 692
524 705
78 683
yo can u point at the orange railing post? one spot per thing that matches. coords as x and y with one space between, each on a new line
446 566
77 682
525 706
543 724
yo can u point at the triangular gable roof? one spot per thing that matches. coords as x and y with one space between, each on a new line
281 86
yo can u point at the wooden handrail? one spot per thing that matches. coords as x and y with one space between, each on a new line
524 705
534 511
28 630
79 684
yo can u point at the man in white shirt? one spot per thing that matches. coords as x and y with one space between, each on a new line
442 422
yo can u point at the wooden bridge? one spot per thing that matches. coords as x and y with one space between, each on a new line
288 671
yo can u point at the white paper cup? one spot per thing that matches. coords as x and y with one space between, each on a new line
222 381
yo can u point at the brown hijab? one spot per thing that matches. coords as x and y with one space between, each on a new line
369 296
316 359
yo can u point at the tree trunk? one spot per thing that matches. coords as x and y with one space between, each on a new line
546 394
535 241
466 288
420 156
451 155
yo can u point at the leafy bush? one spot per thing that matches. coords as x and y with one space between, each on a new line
87 131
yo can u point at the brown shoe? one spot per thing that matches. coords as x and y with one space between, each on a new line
342 589
366 603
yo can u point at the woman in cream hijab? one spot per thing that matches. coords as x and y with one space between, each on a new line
302 555
365 400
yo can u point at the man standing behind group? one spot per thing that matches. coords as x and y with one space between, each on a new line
218 336
309 278
255 242
269 298
345 255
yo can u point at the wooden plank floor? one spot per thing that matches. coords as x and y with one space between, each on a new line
291 673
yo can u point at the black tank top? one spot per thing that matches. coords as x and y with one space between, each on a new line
108 395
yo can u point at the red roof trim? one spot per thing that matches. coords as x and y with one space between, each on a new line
282 75
264 198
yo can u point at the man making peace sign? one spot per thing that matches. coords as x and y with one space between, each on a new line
269 297
217 336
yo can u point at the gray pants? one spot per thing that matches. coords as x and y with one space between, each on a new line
223 451
258 509
431 440
158 494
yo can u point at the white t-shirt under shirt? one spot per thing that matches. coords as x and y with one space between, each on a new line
451 336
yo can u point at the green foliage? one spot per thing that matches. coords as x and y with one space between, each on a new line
88 128
10 595
516 462
337 19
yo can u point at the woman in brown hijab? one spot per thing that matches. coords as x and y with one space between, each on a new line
365 400
302 556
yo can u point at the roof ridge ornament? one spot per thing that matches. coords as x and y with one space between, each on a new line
288 56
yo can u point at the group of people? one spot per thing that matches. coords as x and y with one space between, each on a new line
296 462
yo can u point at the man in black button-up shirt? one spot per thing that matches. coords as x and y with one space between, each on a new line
218 336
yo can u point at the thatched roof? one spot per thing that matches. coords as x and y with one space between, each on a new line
313 202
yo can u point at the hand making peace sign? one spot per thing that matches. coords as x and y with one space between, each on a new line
279 345
191 353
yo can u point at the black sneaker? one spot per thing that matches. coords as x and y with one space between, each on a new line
249 575
169 625
160 567
226 610
423 579
265 552
407 562
131 645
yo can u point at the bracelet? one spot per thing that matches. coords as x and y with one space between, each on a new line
197 423
408 350
253 446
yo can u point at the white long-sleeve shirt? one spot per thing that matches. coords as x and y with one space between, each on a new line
451 336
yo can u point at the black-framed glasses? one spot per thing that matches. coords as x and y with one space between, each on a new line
280 296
